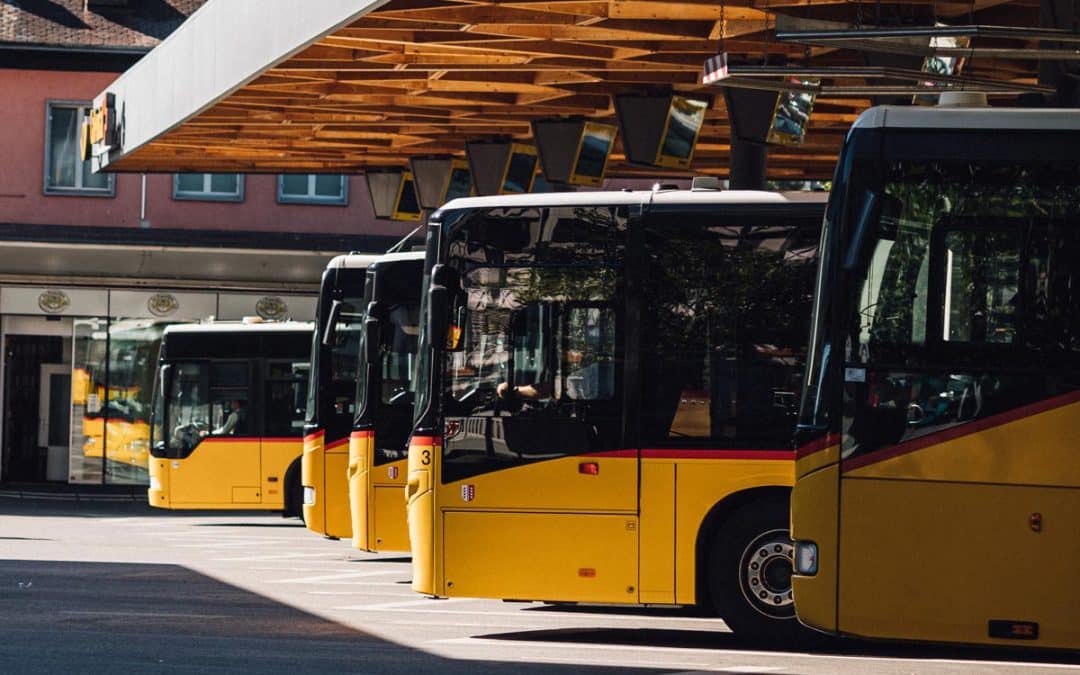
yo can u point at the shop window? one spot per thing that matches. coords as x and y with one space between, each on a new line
217 187
313 189
65 170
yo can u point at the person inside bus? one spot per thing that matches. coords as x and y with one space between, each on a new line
235 419
533 391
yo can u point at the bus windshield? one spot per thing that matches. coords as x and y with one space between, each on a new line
537 318
965 263
338 376
393 293
713 312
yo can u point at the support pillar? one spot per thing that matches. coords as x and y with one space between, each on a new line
1061 75
750 112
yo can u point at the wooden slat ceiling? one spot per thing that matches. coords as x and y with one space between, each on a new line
419 77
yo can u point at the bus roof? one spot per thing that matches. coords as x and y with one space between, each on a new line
631 197
352 261
399 257
940 117
240 327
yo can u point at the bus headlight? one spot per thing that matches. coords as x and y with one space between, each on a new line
309 496
806 558
155 483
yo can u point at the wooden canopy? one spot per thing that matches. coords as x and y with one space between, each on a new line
421 77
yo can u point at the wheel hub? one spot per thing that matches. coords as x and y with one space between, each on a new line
767 565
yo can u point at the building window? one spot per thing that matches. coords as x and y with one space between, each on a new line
219 187
313 189
65 170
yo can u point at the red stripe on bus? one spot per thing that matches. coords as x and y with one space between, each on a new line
686 453
423 440
315 434
233 439
362 434
962 430
820 444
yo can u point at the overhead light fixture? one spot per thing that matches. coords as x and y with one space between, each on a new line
393 194
501 167
660 130
916 41
573 151
856 81
440 179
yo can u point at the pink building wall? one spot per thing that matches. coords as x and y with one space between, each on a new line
22 197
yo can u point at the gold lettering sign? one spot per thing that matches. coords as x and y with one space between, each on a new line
97 125
103 123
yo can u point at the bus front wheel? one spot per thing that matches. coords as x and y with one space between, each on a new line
750 568
294 493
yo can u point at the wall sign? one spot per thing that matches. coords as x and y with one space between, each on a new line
272 308
162 304
53 302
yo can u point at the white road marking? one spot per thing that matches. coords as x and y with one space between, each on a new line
276 556
344 577
394 584
167 615
435 607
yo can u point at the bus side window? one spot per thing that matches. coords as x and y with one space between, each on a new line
188 407
283 418
726 305
229 392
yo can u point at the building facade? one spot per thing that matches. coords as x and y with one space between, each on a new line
93 266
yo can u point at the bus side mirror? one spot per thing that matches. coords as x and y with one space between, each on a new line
372 339
331 323
878 217
438 323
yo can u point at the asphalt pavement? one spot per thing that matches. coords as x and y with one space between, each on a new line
113 587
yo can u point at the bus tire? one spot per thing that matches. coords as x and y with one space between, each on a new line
294 494
749 572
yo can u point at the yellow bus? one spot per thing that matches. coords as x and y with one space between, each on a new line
938 490
339 321
378 447
606 397
228 416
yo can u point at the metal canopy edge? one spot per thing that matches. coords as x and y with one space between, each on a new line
221 47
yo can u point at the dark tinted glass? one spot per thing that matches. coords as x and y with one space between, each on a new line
539 366
519 176
726 309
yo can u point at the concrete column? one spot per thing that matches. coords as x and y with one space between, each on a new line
748 164
750 112
1061 75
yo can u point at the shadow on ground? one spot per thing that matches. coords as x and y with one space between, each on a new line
721 641
122 617
285 522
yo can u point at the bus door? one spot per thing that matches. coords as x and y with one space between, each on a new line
536 492
284 405
213 448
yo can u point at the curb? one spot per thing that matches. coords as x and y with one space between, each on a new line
67 496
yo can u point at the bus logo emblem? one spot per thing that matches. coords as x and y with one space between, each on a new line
271 308
392 471
53 302
468 492
162 304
